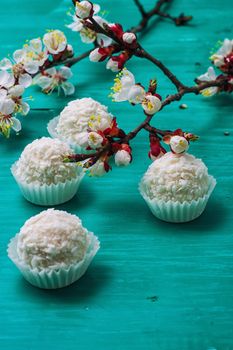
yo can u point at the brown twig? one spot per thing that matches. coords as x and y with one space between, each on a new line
155 131
140 8
220 82
179 21
157 11
144 54
71 61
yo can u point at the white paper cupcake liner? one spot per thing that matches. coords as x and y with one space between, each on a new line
53 279
46 195
175 211
52 126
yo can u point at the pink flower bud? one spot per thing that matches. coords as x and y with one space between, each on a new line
129 38
122 158
100 54
113 65
156 150
70 49
95 56
116 63
116 29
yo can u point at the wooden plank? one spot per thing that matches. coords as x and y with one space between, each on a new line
152 285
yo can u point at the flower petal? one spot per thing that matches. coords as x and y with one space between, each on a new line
87 36
136 94
5 64
76 25
16 91
51 71
96 8
65 72
31 67
209 75
16 124
6 79
19 55
42 81
7 106
151 104
68 88
25 108
25 80
55 41
103 40
3 94
36 44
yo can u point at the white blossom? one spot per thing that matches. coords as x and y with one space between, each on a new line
7 106
83 139
8 122
179 144
209 76
136 94
125 89
94 139
122 158
84 9
53 79
35 51
129 38
76 25
98 169
123 82
55 41
17 70
15 93
88 35
223 51
151 104
6 79
32 55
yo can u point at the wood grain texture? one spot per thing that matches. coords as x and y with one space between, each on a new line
153 285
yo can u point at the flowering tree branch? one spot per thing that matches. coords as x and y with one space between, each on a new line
121 48
222 82
140 8
38 63
39 59
124 140
146 16
73 60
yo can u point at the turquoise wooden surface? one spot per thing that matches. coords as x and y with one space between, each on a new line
152 285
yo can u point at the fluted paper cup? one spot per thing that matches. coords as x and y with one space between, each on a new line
47 195
52 130
177 212
51 278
